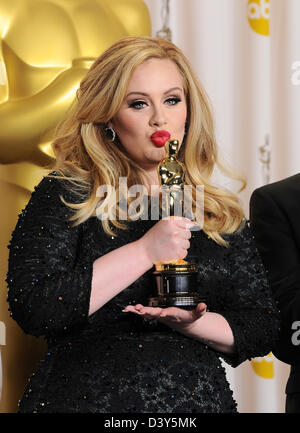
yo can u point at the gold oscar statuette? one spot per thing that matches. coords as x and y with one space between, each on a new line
175 281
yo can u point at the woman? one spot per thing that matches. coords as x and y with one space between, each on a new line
77 278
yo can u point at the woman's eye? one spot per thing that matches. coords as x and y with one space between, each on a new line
173 101
137 105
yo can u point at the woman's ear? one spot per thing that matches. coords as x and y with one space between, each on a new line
110 124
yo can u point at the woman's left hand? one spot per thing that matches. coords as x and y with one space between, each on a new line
211 328
170 315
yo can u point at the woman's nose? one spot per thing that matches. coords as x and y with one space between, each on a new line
158 118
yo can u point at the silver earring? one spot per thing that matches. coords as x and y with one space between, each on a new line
110 133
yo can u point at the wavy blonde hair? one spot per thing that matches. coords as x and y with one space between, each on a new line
88 159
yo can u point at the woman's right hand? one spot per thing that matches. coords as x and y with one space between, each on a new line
167 240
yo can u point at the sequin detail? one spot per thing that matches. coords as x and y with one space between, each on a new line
116 362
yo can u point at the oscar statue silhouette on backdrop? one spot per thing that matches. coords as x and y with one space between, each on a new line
46 48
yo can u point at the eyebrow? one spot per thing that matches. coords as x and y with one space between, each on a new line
146 94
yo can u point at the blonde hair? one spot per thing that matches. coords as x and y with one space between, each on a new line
88 159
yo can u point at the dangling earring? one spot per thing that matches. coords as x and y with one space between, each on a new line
110 133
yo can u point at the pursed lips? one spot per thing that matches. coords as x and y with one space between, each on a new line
159 138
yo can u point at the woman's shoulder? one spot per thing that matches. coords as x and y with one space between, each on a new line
51 198
243 234
53 185
50 181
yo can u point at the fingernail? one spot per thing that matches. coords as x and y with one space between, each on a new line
196 226
192 226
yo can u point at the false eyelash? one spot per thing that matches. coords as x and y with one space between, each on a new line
137 104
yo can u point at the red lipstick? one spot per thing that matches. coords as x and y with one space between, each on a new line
159 138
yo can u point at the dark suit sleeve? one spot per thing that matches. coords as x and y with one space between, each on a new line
275 241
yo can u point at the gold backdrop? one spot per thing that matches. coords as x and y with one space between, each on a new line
46 48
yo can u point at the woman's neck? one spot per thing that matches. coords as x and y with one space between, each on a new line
151 180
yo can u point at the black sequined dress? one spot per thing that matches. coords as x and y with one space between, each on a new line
116 362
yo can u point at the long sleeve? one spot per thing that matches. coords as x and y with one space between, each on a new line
48 292
249 309
276 242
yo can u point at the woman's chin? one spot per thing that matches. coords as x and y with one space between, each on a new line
156 155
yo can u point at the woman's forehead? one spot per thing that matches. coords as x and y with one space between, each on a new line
159 74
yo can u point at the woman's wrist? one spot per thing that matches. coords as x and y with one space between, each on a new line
142 253
211 329
186 328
